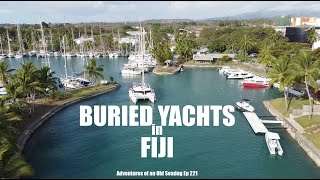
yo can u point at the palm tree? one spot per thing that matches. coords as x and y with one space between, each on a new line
93 71
265 57
27 81
46 79
245 43
307 67
4 71
313 36
281 73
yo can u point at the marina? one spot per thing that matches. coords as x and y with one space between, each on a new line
109 143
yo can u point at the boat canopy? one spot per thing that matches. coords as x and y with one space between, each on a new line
245 100
273 135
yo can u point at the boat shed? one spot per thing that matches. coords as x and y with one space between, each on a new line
207 58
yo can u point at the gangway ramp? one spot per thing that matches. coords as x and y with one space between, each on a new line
255 122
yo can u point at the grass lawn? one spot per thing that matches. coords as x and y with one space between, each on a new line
305 122
314 138
294 103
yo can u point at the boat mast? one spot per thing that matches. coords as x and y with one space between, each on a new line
92 46
65 61
119 47
73 45
32 37
113 41
9 46
51 41
142 79
42 39
101 42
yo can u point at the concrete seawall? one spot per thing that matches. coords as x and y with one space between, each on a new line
29 131
296 132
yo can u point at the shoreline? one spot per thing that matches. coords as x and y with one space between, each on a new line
296 132
31 128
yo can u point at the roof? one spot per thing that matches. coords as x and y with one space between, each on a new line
210 57
273 135
168 61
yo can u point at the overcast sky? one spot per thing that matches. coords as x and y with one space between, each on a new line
115 11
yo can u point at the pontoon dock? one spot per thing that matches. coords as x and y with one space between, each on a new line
255 122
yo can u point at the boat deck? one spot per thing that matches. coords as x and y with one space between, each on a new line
255 122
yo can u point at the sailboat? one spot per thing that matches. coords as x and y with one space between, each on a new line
33 52
142 91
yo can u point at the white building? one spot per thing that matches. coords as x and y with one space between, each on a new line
128 40
316 44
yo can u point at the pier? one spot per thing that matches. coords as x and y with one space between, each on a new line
255 122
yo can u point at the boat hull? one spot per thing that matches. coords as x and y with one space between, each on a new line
255 85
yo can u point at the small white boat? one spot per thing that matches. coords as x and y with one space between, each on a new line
272 140
240 75
18 56
10 55
181 69
223 69
243 105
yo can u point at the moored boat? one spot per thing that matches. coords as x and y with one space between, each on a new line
255 82
243 105
272 140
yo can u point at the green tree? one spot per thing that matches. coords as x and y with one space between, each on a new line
161 52
27 82
265 57
282 73
46 79
185 45
93 71
307 67
246 43
4 71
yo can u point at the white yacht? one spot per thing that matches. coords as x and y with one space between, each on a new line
131 70
272 140
239 75
18 56
70 54
243 105
33 53
10 55
142 91
71 83
56 54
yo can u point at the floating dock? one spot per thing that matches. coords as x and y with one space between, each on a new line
255 122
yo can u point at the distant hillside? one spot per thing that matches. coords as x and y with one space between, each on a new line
269 14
